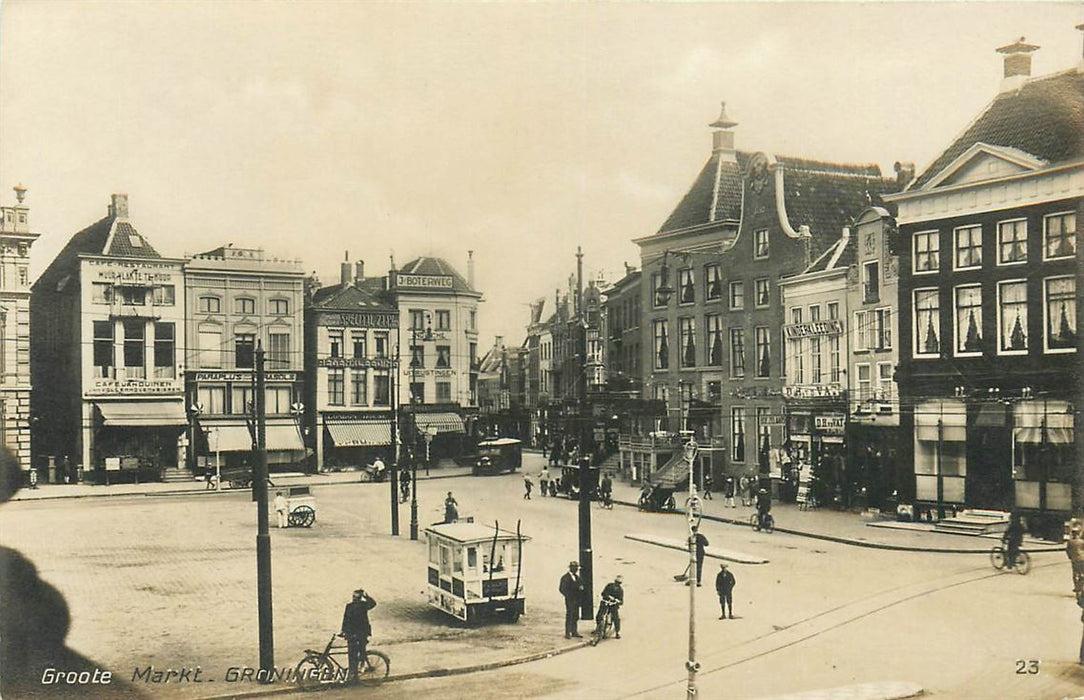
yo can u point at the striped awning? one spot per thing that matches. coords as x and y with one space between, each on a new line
360 433
436 423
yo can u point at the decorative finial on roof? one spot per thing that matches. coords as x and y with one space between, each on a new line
723 122
1018 46
20 192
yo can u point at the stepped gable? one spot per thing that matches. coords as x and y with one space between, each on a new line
827 196
436 266
1044 117
722 179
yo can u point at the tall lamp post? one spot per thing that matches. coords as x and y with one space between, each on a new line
416 334
693 511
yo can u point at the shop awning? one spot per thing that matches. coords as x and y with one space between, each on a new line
436 423
228 438
952 415
1032 418
360 433
142 414
990 415
236 438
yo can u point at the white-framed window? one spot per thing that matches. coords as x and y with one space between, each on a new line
1059 235
279 307
164 295
417 319
927 252
336 386
882 329
278 350
797 362
816 374
1059 314
737 433
927 327
713 325
814 313
864 384
737 295
713 283
871 281
444 320
101 292
656 282
737 353
359 385
886 387
662 344
104 351
1012 242
967 321
444 392
861 331
968 247
796 314
335 342
762 288
760 244
1012 317
763 348
686 286
210 347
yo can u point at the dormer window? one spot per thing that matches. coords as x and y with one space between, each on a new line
135 240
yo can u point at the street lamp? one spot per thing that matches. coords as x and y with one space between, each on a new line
416 334
692 512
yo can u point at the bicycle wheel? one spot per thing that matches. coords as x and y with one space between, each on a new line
769 523
315 670
1023 563
754 521
997 558
377 665
596 635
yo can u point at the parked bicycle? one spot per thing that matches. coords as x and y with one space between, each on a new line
1022 565
329 667
766 523
606 624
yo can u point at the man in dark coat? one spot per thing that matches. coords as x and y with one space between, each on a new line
612 591
701 543
356 629
724 586
572 589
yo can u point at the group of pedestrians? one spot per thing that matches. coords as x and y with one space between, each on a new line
546 485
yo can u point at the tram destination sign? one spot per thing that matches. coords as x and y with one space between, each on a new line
424 281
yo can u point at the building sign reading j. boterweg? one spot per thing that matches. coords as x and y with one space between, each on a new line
424 281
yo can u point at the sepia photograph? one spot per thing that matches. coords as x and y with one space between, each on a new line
556 350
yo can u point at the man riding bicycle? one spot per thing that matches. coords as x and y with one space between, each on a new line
764 506
1012 539
613 595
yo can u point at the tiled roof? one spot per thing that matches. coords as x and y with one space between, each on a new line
827 196
436 266
93 240
348 296
695 208
1044 117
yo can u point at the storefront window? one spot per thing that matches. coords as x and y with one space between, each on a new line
1043 442
940 446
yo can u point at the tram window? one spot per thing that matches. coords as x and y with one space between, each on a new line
434 551
472 558
445 561
457 560
513 554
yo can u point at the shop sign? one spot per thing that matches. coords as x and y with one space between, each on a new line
423 281
438 373
812 329
813 391
831 423
132 387
771 419
226 376
356 362
358 319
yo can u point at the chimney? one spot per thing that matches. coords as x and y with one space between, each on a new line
1080 28
119 208
470 269
359 271
498 341
344 270
905 172
1017 64
722 139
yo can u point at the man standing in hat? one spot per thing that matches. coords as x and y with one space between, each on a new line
724 586
572 589
357 630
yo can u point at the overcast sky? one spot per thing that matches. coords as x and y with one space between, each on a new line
517 130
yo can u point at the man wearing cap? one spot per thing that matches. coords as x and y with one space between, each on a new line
356 629
572 589
724 586
612 591
701 542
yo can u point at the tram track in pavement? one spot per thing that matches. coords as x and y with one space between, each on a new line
826 621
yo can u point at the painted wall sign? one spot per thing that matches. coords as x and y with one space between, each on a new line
135 387
226 376
829 423
358 319
356 362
